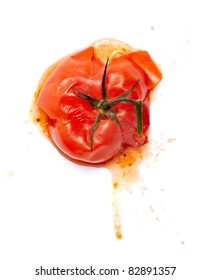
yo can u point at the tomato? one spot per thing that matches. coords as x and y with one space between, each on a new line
95 102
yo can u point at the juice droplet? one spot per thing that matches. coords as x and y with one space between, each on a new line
118 232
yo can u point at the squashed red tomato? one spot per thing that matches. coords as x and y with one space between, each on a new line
95 102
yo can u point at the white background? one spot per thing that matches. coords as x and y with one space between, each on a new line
56 213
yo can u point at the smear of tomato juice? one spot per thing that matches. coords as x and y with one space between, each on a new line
125 170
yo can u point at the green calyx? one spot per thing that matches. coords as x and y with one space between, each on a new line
105 106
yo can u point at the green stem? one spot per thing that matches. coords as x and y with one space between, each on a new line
111 114
129 91
105 106
93 101
95 125
104 94
139 117
138 104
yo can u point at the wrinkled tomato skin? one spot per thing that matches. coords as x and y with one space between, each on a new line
76 145
71 118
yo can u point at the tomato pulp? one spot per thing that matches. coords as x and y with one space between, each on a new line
95 102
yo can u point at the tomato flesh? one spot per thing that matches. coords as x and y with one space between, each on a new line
70 119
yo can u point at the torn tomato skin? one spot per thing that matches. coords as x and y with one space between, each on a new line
69 119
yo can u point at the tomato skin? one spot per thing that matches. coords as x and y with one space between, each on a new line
77 145
71 118
72 69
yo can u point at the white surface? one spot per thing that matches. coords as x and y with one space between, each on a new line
55 213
